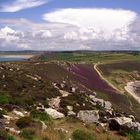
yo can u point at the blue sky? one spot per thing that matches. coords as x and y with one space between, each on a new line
57 23
35 13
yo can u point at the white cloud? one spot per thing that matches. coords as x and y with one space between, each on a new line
71 35
54 35
21 4
8 34
95 22
23 46
102 19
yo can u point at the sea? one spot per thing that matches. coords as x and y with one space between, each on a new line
9 58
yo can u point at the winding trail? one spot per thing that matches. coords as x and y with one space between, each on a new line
101 76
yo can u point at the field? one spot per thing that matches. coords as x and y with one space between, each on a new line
90 57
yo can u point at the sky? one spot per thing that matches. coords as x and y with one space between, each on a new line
69 25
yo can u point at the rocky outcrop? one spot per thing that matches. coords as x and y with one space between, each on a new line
88 116
104 104
123 123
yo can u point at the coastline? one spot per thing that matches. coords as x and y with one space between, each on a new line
130 88
26 56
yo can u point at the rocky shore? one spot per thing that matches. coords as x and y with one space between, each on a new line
133 89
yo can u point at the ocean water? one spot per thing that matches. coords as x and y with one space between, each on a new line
9 59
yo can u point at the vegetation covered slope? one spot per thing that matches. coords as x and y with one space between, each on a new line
26 86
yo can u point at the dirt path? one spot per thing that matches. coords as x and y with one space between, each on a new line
103 78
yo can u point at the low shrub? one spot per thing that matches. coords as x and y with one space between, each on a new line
41 116
5 136
24 122
4 99
9 137
82 135
133 135
27 134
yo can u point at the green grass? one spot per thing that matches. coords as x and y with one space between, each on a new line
101 95
4 98
5 136
82 135
41 116
88 57
27 134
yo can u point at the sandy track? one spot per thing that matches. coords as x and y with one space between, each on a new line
104 79
130 88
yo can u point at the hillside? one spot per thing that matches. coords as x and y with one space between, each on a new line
54 94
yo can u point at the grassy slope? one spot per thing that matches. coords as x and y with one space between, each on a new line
19 84
118 76
23 90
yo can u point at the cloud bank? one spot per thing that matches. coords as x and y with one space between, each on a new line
21 4
74 29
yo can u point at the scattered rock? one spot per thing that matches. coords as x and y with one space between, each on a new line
3 76
70 108
39 107
8 117
61 129
54 103
64 93
73 89
12 130
35 77
54 114
18 113
71 113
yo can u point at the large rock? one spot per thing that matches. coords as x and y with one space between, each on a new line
124 124
122 120
117 122
54 114
88 116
